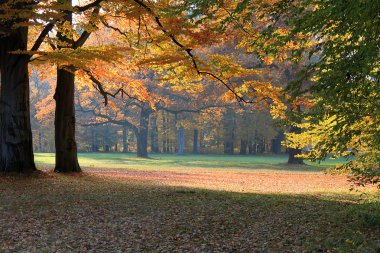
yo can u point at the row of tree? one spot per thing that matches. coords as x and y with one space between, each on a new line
149 34
151 56
221 128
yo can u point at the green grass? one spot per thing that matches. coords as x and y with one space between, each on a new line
169 162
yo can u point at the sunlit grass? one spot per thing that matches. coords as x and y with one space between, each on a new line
170 162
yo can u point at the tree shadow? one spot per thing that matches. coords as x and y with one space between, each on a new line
104 214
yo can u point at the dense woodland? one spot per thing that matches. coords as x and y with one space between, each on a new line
228 128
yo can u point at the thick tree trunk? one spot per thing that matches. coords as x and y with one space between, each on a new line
66 159
142 135
125 141
16 143
181 140
195 142
65 145
293 152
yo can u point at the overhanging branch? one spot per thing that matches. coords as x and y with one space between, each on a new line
191 55
99 87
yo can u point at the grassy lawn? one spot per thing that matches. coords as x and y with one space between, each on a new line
168 162
186 204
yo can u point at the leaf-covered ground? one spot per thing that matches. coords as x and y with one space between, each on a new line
122 210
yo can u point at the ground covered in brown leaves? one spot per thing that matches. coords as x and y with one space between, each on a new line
123 210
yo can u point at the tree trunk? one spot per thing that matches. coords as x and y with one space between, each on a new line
181 140
201 141
142 134
164 130
243 147
94 146
40 141
154 135
125 141
229 131
228 147
276 146
66 159
293 152
261 148
195 142
16 142
250 147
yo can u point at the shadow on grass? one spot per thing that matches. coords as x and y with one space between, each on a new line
102 214
164 161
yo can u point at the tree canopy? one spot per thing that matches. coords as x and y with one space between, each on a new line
180 47
337 43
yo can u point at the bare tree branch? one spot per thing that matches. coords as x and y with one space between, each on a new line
96 3
191 55
99 87
86 34
42 36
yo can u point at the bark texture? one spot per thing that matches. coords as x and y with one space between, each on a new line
66 159
16 147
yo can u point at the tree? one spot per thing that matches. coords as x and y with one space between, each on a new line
66 159
16 148
138 103
156 36
15 131
146 13
340 40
